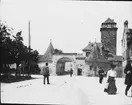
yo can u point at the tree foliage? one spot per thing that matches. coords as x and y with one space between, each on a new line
57 51
13 49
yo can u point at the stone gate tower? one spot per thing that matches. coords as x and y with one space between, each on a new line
109 35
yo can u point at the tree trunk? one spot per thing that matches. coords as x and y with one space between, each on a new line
8 72
29 70
16 74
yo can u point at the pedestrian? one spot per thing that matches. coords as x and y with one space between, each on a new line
46 73
101 75
111 75
128 77
71 72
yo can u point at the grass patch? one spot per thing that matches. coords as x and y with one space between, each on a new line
11 78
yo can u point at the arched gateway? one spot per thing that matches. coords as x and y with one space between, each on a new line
63 62
59 63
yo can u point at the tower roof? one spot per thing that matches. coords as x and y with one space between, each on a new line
109 21
47 57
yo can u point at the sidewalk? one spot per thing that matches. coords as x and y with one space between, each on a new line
34 91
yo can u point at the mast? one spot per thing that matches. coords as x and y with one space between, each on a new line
29 37
29 48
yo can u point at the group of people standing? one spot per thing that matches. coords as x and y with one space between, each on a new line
112 74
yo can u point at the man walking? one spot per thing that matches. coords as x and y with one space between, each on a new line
71 72
101 75
128 78
46 73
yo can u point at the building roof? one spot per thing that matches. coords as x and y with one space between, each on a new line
90 46
80 58
66 54
47 57
129 31
109 21
116 58
95 55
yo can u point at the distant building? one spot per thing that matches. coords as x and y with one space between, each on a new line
88 48
126 44
59 63
95 60
94 56
103 53
80 63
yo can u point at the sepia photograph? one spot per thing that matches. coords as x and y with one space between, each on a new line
66 52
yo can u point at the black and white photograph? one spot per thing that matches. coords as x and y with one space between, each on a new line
66 52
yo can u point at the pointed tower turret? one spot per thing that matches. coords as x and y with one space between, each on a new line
47 57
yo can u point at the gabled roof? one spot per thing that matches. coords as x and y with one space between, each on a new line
47 57
90 46
109 21
95 55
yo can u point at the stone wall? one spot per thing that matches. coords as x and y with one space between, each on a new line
108 39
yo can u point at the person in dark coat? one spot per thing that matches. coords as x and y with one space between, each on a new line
101 75
46 73
128 77
71 72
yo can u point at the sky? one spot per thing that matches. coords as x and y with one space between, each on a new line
69 24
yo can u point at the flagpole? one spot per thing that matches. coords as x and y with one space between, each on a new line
29 37
29 45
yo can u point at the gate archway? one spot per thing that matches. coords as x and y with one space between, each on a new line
60 66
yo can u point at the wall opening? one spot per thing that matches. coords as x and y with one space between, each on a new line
60 66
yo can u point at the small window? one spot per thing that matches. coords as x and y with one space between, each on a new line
87 54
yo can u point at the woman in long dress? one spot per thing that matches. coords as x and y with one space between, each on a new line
111 75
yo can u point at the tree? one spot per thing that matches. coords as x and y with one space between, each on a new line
18 48
5 33
33 62
13 49
57 51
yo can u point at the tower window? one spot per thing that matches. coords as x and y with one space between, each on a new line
109 26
